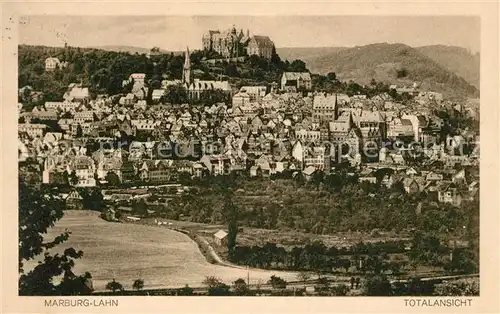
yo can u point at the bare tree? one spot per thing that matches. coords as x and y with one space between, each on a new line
304 276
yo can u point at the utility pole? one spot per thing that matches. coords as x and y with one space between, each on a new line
248 276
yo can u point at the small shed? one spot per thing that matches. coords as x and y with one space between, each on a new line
308 172
74 200
220 237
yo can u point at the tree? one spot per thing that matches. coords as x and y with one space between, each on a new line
277 282
340 290
304 276
79 131
345 263
401 73
73 179
216 286
230 212
114 286
176 95
462 262
138 284
240 287
457 288
39 211
378 286
323 283
93 199
298 66
332 76
77 285
140 208
231 70
186 290
112 178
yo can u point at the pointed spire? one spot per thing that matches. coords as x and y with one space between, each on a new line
187 62
186 73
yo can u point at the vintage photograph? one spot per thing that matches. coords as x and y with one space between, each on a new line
248 155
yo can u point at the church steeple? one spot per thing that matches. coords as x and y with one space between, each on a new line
186 73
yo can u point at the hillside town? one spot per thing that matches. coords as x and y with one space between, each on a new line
266 130
137 155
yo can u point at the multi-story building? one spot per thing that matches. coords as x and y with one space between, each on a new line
51 64
295 81
401 129
217 165
44 115
316 157
156 171
84 168
255 93
197 87
325 108
418 123
227 43
84 116
61 105
33 129
231 43
76 92
371 125
307 135
241 98
145 125
261 46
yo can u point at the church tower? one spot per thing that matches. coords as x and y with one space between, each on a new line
186 73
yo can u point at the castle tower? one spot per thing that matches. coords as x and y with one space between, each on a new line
186 73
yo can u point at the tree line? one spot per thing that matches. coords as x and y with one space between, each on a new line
317 257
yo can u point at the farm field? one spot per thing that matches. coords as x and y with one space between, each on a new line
161 257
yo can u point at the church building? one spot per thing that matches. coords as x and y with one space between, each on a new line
195 87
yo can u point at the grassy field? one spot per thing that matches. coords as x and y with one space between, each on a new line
162 257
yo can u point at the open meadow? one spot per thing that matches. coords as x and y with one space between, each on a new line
126 252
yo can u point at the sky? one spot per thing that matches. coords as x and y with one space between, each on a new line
176 32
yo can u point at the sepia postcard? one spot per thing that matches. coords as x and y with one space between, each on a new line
275 157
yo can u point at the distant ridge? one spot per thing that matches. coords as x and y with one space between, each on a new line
132 49
442 68
456 59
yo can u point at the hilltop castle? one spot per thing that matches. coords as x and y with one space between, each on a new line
231 43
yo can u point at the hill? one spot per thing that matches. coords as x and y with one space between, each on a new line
308 55
132 49
456 59
391 63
